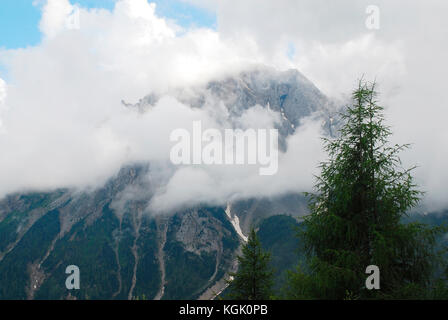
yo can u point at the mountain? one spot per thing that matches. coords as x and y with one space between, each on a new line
122 251
289 93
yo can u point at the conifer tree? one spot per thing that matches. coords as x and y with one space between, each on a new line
361 196
254 278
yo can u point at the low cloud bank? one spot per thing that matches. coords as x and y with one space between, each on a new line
62 123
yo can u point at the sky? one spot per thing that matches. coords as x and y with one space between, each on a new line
19 19
63 76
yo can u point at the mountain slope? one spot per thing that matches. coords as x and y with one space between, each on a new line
125 252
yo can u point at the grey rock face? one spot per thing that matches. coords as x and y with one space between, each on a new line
287 92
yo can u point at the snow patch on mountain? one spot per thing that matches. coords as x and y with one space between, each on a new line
235 222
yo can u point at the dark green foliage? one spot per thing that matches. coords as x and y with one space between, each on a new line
355 221
125 237
93 243
186 272
254 278
14 275
8 229
18 218
277 235
148 272
90 247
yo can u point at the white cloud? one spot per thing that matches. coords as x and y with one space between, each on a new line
65 126
193 185
333 48
55 15
2 91
2 100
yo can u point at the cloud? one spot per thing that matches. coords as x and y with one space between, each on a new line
2 100
216 184
333 48
64 125
2 91
55 17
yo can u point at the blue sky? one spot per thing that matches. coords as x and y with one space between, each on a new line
19 19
